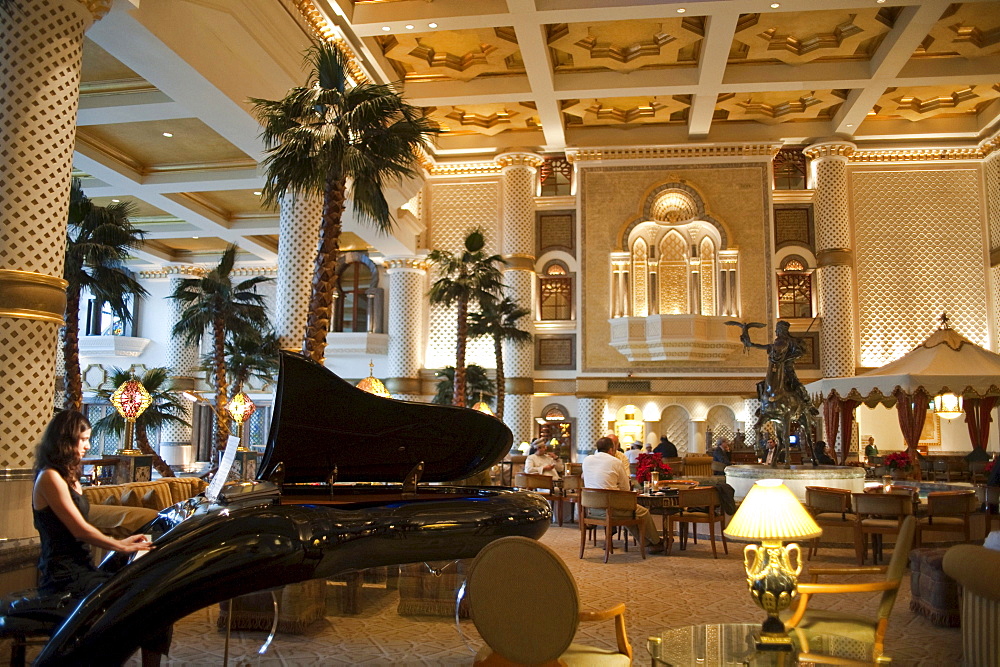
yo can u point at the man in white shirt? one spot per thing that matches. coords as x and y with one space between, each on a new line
633 453
542 462
602 470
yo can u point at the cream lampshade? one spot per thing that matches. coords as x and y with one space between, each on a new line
771 514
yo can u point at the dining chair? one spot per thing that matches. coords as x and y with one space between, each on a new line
571 487
542 485
700 504
977 472
940 470
533 620
991 501
949 512
811 624
830 507
878 515
610 509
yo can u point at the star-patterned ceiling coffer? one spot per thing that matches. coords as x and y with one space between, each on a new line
970 29
800 37
625 46
780 107
929 101
488 119
624 110
454 54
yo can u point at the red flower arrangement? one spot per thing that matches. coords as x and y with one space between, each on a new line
897 461
989 467
647 463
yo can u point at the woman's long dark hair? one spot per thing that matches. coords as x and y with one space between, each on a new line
58 447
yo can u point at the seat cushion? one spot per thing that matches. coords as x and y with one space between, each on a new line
831 517
576 654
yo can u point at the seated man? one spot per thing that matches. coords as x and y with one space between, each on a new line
721 457
602 470
543 462
633 453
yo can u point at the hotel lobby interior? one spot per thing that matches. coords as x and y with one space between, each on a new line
649 172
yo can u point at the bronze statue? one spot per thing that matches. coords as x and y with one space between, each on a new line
783 398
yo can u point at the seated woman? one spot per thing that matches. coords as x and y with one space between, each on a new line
60 515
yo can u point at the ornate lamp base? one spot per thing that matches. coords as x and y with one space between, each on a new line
772 582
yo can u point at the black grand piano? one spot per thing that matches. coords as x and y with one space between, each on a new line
348 481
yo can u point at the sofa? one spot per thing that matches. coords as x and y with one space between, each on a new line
975 569
119 510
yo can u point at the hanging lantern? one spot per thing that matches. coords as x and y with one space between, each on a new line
948 405
240 408
483 406
372 384
130 400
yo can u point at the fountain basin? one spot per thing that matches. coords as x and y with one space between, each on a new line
796 478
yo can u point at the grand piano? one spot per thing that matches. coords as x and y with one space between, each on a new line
348 481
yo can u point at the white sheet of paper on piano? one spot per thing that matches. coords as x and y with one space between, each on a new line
222 475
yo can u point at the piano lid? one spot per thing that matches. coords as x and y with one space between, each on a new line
320 421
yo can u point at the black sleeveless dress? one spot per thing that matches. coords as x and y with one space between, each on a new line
66 565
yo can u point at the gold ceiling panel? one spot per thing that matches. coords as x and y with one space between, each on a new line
971 30
780 107
800 37
488 119
625 46
922 102
454 54
99 65
236 202
624 110
190 244
142 145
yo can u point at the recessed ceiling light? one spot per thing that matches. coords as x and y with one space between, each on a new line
681 10
168 134
409 27
386 28
775 5
258 192
432 25
116 201
196 237
880 1
850 125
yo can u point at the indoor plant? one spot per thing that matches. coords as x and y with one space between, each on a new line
898 463
647 464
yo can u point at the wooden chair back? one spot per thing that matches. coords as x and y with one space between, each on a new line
951 503
828 499
697 466
882 504
572 484
607 499
524 480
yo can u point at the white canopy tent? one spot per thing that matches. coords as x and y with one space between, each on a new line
946 362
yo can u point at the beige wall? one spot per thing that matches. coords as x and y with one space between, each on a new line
736 195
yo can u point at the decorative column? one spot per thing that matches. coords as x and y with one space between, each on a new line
698 437
407 296
298 228
518 248
182 360
835 256
991 172
590 423
750 408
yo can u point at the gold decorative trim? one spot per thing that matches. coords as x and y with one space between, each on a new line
317 22
519 262
32 296
519 160
519 385
97 8
830 149
994 257
199 271
835 257
918 154
412 263
664 152
117 87
465 169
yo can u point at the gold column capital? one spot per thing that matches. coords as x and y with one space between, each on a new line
519 159
835 257
833 148
412 263
518 261
32 296
97 8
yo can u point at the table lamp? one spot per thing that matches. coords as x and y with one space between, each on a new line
130 400
240 408
771 514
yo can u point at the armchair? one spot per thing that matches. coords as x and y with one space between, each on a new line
975 568
499 605
829 507
948 511
812 624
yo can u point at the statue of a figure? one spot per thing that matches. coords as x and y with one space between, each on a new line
783 398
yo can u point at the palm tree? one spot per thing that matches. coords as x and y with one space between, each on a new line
99 239
470 277
478 387
249 355
166 407
498 320
324 135
213 302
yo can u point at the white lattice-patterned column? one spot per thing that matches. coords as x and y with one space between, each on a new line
834 255
518 248
590 424
40 53
750 408
991 172
299 232
407 296
182 360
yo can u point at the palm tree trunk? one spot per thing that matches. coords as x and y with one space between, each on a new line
498 351
325 271
219 363
142 440
71 349
462 327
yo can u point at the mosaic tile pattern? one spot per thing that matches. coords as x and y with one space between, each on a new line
298 228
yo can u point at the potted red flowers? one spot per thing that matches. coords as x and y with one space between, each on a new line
647 464
899 463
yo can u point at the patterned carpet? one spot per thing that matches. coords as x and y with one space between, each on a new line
685 588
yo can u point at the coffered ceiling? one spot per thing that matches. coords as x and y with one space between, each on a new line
164 119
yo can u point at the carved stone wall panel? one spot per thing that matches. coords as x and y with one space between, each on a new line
455 209
674 423
517 415
919 253
735 195
991 172
407 292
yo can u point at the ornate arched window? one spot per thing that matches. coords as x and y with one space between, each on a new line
794 282
555 293
673 274
358 306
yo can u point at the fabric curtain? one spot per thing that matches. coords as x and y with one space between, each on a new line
846 422
978 417
831 418
912 410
